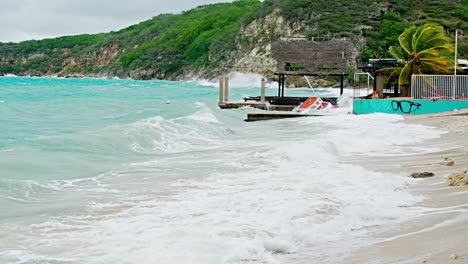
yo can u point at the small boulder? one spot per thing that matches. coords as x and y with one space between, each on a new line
458 179
448 162
418 175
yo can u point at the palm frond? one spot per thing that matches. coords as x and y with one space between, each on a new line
430 35
405 75
395 74
435 66
388 70
441 52
418 37
397 53
405 40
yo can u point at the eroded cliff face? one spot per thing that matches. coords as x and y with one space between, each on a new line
64 62
255 42
95 63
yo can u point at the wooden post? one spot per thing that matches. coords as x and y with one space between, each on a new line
221 91
279 85
226 89
375 81
379 80
284 84
262 91
342 85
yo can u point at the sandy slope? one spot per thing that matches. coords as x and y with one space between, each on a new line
440 235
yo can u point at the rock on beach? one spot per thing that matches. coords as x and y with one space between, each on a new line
458 179
418 175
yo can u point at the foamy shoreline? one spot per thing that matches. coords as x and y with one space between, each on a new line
439 234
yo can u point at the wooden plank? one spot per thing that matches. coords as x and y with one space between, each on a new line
253 117
258 105
233 105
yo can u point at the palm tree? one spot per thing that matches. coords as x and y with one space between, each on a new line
422 50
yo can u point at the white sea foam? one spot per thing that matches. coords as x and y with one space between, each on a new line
239 80
7 150
204 114
263 193
247 80
204 82
195 131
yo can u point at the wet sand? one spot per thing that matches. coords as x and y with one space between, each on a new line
440 234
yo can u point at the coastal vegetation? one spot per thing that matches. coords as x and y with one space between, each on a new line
422 50
211 37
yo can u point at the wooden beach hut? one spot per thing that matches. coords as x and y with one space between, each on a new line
302 57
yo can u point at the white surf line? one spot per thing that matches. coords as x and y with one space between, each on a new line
434 227
458 193
7 150
446 209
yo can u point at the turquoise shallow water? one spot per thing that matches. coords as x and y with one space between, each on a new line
53 130
45 123
104 171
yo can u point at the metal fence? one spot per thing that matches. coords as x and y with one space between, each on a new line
443 87
363 84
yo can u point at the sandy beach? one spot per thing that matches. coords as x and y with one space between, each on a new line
441 233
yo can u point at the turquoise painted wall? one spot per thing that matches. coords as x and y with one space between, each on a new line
409 106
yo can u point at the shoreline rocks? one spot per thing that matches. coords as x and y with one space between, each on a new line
458 179
421 175
448 162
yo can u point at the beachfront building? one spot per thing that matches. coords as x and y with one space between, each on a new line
376 93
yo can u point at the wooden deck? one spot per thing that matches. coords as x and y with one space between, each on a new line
253 117
258 105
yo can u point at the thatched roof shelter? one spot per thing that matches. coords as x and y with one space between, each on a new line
305 57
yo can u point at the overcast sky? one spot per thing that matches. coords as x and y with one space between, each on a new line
36 19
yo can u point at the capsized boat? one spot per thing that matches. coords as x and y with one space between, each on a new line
314 103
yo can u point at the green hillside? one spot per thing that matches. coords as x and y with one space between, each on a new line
202 39
379 22
167 44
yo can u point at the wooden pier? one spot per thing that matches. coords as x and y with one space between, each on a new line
257 105
253 117
275 107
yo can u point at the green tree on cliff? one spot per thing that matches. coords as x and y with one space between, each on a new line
422 50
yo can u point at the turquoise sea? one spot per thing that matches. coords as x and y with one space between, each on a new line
123 171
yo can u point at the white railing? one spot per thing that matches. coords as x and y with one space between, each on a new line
367 89
443 87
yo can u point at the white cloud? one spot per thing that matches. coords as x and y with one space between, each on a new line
36 19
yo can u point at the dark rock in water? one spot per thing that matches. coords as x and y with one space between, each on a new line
458 179
418 175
